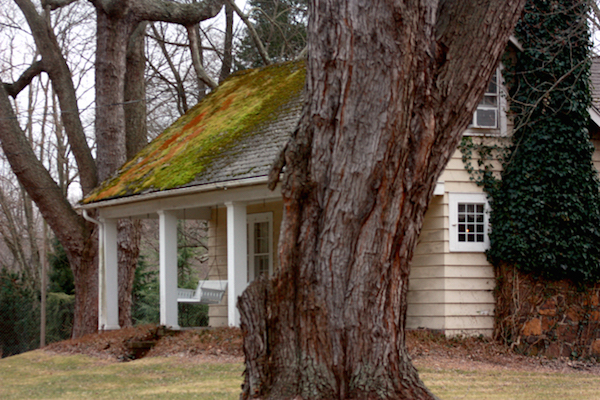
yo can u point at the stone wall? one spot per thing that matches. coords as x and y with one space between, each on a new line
555 319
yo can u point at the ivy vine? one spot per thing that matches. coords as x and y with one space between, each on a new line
546 203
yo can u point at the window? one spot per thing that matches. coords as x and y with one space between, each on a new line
469 222
260 243
487 114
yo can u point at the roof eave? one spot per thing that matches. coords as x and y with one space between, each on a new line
198 189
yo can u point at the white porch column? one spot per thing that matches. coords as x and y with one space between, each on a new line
237 258
108 290
168 268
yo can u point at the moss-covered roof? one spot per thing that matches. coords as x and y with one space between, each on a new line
235 132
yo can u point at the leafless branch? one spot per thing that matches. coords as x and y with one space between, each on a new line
252 31
202 75
13 89
177 13
55 4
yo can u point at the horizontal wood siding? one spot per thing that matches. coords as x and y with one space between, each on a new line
217 250
449 291
217 257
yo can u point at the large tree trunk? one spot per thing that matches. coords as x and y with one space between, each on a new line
390 87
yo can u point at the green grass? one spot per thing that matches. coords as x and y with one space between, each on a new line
39 375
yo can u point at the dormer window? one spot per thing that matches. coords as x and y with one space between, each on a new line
487 114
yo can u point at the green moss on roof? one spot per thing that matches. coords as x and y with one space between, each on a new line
183 152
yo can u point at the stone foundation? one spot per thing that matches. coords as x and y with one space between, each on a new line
555 319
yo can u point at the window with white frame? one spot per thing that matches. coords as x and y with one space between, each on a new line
488 111
469 222
260 245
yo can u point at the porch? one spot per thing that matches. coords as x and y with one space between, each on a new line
239 212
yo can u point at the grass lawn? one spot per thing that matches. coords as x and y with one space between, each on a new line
505 385
39 375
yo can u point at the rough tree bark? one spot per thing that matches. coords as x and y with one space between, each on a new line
390 87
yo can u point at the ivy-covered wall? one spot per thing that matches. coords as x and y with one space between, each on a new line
545 219
546 204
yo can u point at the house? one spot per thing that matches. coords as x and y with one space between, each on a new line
213 164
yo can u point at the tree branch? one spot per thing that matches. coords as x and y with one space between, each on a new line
177 13
13 89
252 31
228 46
60 75
200 72
55 4
465 42
34 177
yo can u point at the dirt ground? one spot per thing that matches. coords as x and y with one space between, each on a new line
427 350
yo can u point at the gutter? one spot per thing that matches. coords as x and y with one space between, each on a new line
209 187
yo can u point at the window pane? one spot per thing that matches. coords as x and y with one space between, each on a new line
492 86
489 101
261 265
261 237
486 118
471 222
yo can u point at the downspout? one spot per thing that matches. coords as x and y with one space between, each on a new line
101 270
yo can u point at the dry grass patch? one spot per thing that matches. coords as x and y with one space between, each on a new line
207 364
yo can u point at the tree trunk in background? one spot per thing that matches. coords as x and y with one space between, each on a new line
136 137
116 20
136 130
85 274
112 39
128 239
391 86
228 48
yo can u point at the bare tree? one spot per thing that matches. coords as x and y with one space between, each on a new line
391 85
116 22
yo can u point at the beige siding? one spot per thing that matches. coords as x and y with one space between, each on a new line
217 249
217 256
450 292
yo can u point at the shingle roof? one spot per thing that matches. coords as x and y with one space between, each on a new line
236 132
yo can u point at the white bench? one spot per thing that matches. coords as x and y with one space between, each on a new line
207 292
